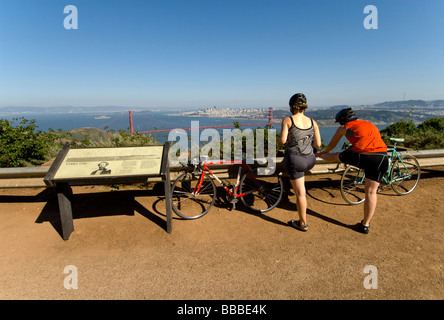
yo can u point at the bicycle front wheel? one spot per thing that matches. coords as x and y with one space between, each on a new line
353 185
262 193
405 174
189 204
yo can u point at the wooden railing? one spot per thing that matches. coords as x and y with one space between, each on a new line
32 177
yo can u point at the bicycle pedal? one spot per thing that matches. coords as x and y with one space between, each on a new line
231 199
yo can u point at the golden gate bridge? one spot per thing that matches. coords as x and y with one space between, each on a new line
131 124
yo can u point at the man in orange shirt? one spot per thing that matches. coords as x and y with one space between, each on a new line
369 152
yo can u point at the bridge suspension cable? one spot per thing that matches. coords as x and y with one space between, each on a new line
270 123
103 125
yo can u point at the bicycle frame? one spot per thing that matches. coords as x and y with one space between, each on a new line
394 156
194 191
400 171
234 194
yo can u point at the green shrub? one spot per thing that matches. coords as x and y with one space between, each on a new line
428 135
427 139
435 124
23 145
400 129
121 139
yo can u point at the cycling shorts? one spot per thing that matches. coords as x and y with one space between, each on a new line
375 164
297 164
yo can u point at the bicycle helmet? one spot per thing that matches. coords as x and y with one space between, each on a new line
298 98
345 115
298 103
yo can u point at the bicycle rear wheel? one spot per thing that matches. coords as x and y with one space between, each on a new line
405 174
263 193
353 185
188 205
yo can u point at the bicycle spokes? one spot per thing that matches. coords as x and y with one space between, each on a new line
261 193
192 197
405 174
353 185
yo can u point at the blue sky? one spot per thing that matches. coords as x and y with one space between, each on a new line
199 53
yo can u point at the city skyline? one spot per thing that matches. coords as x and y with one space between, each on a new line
173 54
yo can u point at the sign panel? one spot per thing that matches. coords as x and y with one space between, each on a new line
110 162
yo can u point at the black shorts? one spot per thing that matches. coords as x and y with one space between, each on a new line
374 164
297 164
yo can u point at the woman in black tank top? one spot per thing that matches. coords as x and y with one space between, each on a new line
300 134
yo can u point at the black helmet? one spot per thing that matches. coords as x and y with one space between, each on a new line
298 98
345 115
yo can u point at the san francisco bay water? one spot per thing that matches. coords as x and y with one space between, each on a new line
146 121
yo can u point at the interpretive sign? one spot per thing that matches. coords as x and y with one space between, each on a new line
116 165
104 164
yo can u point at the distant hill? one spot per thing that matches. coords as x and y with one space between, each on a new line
101 109
68 109
326 117
411 103
93 134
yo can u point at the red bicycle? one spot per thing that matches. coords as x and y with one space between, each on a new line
194 192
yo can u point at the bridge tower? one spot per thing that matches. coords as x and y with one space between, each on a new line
270 117
131 122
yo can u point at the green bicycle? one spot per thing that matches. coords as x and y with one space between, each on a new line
402 175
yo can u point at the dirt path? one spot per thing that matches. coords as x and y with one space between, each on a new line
121 250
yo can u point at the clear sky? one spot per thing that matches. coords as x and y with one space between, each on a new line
199 53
